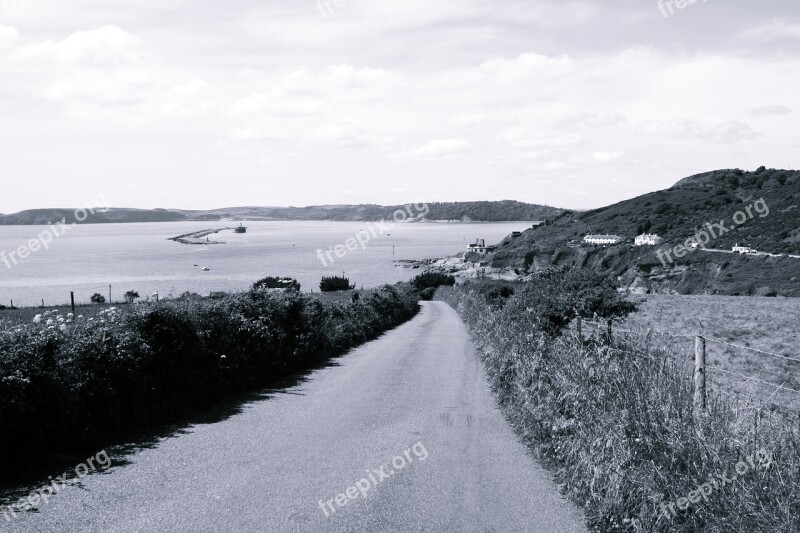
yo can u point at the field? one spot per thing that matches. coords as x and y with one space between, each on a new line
767 324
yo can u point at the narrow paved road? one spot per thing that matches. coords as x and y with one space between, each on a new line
412 408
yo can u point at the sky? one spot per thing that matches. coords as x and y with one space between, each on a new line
570 103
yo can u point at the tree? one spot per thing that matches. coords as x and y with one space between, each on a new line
335 283
131 296
433 280
97 298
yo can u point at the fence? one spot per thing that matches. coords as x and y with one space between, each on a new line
604 331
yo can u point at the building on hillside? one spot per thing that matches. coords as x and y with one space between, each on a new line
573 243
515 234
603 239
743 249
648 239
479 247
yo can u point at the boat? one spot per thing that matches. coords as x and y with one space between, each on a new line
206 269
240 229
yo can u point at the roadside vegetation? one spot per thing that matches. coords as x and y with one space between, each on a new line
70 383
615 420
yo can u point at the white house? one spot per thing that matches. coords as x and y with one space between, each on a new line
603 239
648 239
743 250
479 246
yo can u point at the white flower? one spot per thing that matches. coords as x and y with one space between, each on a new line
37 319
70 315
49 322
63 327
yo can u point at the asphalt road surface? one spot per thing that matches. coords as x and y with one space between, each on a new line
403 435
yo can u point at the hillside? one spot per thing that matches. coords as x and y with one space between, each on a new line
676 214
503 211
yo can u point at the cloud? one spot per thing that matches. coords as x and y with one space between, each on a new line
527 65
8 36
605 157
771 110
438 148
772 30
727 132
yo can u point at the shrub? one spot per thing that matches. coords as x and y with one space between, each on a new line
335 284
271 282
433 279
70 383
131 296
97 298
553 297
427 294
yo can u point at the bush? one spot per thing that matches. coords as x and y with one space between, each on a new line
97 298
433 279
131 296
427 294
553 298
335 284
271 282
71 383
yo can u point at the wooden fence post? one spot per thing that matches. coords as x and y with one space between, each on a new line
72 300
700 372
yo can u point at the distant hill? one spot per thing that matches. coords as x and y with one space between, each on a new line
506 210
676 214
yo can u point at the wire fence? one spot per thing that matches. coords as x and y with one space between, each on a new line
696 360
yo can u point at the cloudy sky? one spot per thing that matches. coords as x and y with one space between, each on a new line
573 103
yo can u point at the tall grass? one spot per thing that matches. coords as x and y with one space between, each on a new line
69 383
616 425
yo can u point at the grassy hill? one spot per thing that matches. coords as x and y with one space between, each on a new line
506 210
677 214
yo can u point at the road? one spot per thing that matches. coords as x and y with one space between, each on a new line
418 392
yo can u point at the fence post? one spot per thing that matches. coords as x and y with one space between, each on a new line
700 372
72 300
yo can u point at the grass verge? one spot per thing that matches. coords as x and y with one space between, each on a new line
616 425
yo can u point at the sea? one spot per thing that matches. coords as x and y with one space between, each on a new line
116 258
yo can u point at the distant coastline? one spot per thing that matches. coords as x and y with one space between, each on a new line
501 211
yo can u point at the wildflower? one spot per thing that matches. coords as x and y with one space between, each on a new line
63 327
37 319
49 322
